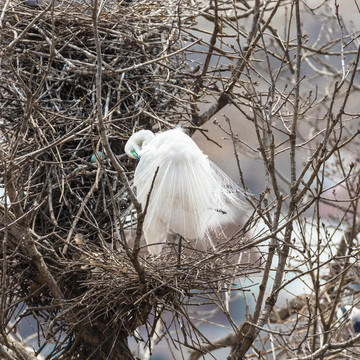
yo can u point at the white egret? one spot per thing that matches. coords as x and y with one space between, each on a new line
353 314
190 195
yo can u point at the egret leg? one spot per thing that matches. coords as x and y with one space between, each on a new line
179 252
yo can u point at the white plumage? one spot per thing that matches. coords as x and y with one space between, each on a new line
190 196
353 314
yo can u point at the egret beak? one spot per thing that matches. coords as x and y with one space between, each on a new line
135 154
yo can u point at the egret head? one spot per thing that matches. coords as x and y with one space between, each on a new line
136 143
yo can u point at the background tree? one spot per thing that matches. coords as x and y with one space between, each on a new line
77 78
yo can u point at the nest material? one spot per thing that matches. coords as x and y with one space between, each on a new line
48 103
63 190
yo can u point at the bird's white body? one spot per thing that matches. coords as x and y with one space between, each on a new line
189 194
353 314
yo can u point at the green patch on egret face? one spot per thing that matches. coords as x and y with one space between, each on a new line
135 154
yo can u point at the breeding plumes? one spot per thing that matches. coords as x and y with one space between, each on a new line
190 196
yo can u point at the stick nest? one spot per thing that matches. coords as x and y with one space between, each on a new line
60 182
